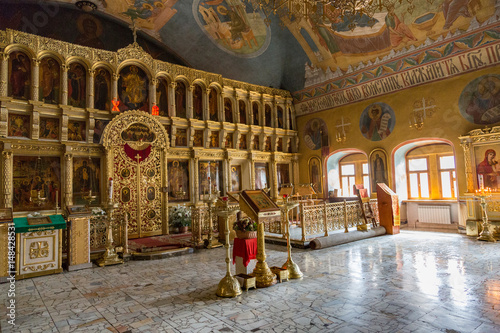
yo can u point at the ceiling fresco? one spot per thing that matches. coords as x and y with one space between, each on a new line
231 38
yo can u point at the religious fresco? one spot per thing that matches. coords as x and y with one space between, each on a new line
279 117
214 139
36 183
377 121
181 137
133 89
49 128
243 112
479 102
255 113
19 75
315 173
138 132
235 178
228 143
261 176
180 99
213 105
234 26
100 125
86 179
283 174
162 96
243 142
315 134
102 89
178 180
19 125
197 102
228 110
487 166
77 130
210 177
50 80
198 138
77 85
379 169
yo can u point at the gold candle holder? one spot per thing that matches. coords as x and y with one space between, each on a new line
211 242
292 268
229 285
485 235
109 257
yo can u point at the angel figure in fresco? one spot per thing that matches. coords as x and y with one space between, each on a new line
398 31
485 101
453 9
489 168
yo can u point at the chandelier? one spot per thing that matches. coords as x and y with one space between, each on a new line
346 10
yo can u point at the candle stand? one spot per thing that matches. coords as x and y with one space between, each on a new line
485 235
211 242
292 268
109 257
229 285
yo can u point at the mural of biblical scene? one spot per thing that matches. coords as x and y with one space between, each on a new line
77 85
315 174
315 134
49 128
267 145
279 117
36 183
261 176
180 99
479 102
102 89
86 180
214 139
234 26
280 145
267 116
89 31
228 110
377 121
100 125
50 80
77 131
333 41
197 102
210 178
162 96
213 106
198 138
283 174
243 112
256 143
181 137
138 132
147 14
235 178
379 168
133 87
487 166
178 180
255 113
19 75
19 125
243 142
228 143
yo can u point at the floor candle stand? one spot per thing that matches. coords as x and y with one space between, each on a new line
109 257
485 235
292 268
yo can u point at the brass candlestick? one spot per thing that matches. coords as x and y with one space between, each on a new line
292 268
39 200
229 285
109 256
485 235
89 198
211 242
263 275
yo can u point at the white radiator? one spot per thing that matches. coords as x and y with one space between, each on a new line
434 214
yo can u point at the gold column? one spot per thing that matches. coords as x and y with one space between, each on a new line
263 275
69 179
7 179
90 89
152 93
35 78
252 174
274 177
4 60
171 99
64 84
189 101
196 175
114 87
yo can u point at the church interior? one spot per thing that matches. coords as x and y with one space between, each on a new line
162 162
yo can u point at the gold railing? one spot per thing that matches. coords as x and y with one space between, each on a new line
200 224
98 232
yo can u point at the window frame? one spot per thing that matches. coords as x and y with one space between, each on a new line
408 173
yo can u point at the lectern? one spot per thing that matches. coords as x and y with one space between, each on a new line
388 209
260 208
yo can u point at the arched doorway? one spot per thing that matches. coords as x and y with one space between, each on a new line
136 146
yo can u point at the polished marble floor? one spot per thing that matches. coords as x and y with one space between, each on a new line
412 282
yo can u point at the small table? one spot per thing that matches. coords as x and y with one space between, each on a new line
245 255
39 247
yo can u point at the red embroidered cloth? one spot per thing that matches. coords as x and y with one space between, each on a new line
245 248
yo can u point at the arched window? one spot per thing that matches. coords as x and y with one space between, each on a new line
430 172
243 112
102 89
19 75
353 169
50 80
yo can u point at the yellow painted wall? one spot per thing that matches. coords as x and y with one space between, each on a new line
447 123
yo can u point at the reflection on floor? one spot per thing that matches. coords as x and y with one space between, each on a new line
411 282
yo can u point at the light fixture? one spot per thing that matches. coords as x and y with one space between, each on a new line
349 11
86 6
342 128
422 109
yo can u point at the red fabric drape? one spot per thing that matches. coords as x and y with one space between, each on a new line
245 248
132 153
